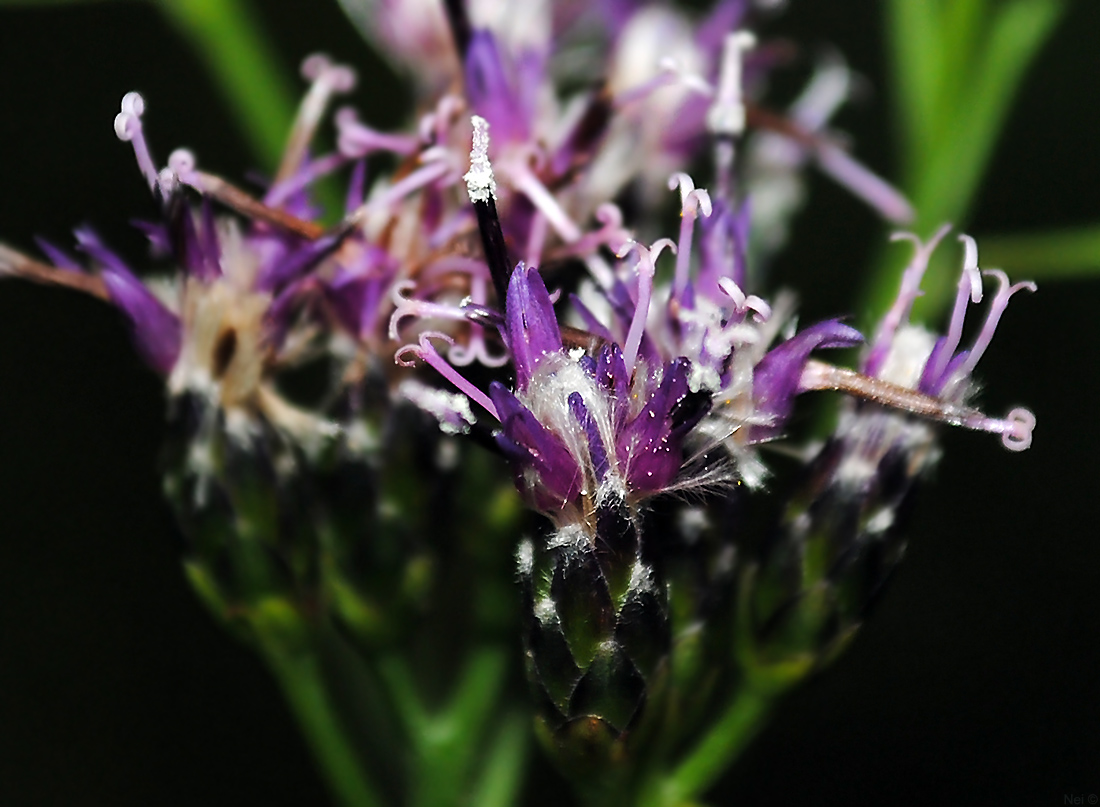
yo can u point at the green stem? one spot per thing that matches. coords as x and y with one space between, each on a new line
502 773
450 742
301 681
229 38
723 743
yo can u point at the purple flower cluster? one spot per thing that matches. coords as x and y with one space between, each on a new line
654 384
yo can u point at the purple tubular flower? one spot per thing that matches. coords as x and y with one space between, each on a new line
913 360
611 372
58 256
776 379
596 449
489 90
530 326
156 331
545 469
723 246
197 251
650 446
359 288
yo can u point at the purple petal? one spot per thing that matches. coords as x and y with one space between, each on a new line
358 287
490 91
611 373
591 323
211 248
345 294
723 245
297 262
933 384
189 248
88 243
531 326
531 446
285 308
157 234
724 18
356 187
651 444
156 331
596 449
776 378
58 257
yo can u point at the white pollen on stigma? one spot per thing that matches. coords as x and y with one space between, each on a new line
480 183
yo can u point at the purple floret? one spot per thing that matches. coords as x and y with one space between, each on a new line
530 327
156 331
776 378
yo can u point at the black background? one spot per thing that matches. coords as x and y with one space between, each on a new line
977 682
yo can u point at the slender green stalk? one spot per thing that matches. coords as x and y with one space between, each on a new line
704 765
448 742
914 43
229 38
502 773
300 678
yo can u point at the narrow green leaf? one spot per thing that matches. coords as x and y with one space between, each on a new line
914 39
502 773
942 186
229 38
951 180
300 679
402 691
715 752
1055 255
477 692
963 28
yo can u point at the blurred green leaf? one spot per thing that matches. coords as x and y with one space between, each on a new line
957 67
319 718
502 774
229 37
1054 255
914 40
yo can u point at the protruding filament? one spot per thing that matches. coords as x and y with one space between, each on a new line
692 201
909 292
647 258
128 129
19 265
328 79
482 189
970 290
480 183
1015 430
355 140
726 116
427 353
996 308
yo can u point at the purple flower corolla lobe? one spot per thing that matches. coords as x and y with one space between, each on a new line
545 469
776 377
490 89
157 333
650 445
531 327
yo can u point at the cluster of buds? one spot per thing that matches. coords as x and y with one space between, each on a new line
632 410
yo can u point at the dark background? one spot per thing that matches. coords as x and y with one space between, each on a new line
977 681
